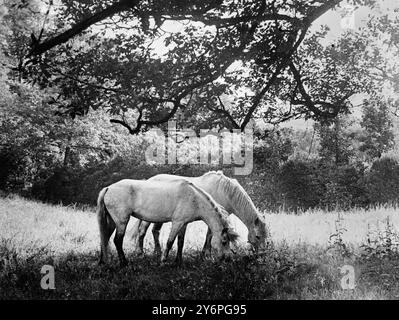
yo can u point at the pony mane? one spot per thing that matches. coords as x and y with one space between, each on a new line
242 200
219 173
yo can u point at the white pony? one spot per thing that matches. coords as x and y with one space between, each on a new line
224 190
178 201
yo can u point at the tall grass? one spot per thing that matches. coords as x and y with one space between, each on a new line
303 263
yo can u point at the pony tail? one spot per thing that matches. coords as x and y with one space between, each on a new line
102 222
101 210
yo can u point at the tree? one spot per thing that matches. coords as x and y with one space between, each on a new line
121 73
378 127
335 142
35 135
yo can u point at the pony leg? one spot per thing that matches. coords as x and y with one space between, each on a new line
176 227
180 245
118 241
142 231
135 232
155 233
107 229
206 250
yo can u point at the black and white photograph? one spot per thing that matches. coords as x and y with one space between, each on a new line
221 151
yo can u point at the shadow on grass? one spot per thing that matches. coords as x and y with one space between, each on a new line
276 274
78 276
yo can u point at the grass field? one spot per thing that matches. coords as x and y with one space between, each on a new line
304 262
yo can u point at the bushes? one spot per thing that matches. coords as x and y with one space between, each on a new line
343 187
382 181
62 186
315 184
11 160
299 184
292 185
262 187
82 185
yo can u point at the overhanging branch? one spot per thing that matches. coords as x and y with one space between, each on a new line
332 108
306 23
39 48
140 122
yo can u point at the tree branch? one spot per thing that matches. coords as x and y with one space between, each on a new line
223 111
122 5
140 123
332 108
308 100
306 23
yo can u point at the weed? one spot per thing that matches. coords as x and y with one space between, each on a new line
382 244
336 243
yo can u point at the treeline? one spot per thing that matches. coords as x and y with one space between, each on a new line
302 185
52 157
283 178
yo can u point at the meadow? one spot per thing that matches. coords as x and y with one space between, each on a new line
304 261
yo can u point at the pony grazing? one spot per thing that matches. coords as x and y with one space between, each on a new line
228 193
178 201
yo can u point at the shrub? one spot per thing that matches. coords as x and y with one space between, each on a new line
382 181
343 186
300 184
11 160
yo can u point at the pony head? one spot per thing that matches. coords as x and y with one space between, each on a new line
221 241
258 234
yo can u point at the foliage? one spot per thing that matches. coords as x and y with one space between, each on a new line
344 186
377 123
382 244
299 184
11 160
258 60
335 141
382 182
57 142
272 147
336 242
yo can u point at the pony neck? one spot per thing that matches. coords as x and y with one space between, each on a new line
214 220
239 202
247 216
209 211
